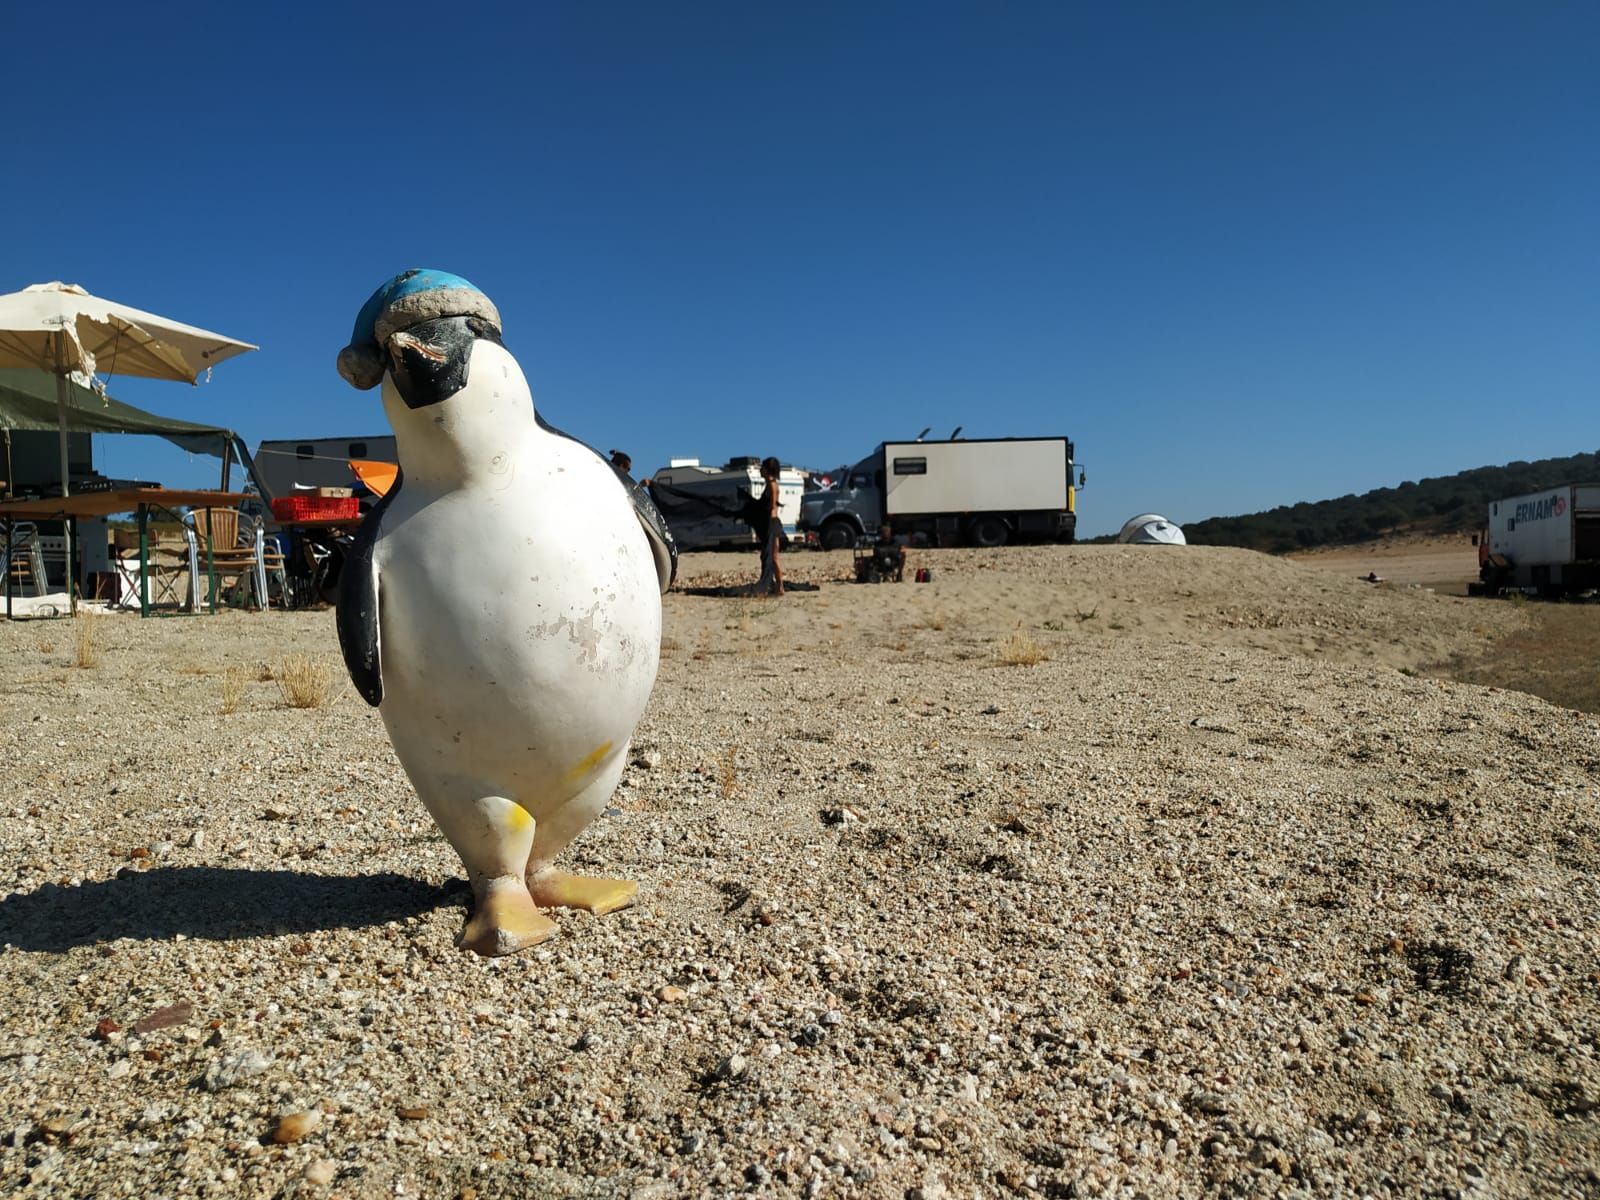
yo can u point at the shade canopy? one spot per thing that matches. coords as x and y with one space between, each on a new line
60 328
28 401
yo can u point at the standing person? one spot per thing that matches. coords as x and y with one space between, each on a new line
772 537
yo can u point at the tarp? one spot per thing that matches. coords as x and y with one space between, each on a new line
1151 529
718 498
28 401
699 514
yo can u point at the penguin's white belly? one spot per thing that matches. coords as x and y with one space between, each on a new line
519 630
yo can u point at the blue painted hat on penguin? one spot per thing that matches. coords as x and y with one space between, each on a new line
408 299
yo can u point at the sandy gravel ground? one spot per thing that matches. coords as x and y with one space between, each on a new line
1217 895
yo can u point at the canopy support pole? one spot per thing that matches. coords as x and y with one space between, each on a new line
67 525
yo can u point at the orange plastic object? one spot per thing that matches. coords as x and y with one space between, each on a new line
378 476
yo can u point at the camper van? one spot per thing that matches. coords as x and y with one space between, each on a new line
700 502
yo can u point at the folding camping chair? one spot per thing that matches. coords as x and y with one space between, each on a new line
168 572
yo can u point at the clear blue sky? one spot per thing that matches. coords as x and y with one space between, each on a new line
1243 254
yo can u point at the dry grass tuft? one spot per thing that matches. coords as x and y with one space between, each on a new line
728 773
233 686
1020 650
303 682
86 639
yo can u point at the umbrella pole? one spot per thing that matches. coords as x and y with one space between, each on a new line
66 525
144 560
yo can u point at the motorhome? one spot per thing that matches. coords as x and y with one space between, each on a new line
701 503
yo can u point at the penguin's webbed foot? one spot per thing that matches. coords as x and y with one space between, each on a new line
557 889
505 920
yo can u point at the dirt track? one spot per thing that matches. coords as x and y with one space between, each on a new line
1446 564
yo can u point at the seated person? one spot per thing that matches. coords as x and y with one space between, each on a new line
889 554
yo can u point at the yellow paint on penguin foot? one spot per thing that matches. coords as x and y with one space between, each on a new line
505 921
557 889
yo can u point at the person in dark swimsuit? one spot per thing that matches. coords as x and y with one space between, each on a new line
772 536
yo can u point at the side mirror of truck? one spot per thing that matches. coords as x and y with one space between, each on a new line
1474 539
1083 478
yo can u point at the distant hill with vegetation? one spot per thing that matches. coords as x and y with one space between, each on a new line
1448 504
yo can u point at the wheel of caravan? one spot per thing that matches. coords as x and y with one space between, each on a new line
988 532
837 535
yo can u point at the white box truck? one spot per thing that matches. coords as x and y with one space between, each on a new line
1546 542
979 491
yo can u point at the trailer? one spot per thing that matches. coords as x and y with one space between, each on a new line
285 465
979 491
1546 543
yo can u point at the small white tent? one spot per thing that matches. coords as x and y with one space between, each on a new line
1151 529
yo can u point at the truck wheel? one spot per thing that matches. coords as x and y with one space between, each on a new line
988 532
837 535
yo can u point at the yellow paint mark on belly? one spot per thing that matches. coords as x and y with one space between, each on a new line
590 761
519 818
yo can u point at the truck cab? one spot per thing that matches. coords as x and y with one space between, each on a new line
850 509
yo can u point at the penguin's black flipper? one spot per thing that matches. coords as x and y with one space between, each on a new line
662 547
656 531
357 617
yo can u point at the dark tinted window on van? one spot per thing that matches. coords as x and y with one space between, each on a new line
358 449
305 451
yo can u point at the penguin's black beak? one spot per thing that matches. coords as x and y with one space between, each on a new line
430 361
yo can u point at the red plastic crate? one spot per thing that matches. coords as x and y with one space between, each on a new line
292 509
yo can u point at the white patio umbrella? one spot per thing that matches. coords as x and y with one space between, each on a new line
62 329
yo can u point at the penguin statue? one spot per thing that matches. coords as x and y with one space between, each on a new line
501 606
